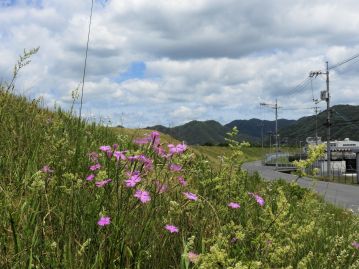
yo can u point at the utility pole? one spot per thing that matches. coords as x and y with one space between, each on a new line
328 124
325 95
262 125
275 107
316 122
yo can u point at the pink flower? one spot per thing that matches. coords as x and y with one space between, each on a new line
105 148
258 198
180 148
115 146
148 163
190 196
102 183
133 158
175 167
95 167
90 177
103 221
141 141
234 205
133 179
182 181
143 196
47 170
130 183
109 154
171 228
355 244
155 135
93 156
193 257
120 155
161 187
159 150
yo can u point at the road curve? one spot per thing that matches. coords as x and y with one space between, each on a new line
346 196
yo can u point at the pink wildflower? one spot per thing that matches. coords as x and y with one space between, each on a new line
182 181
133 158
115 146
105 148
133 179
355 244
180 148
90 177
258 198
120 155
95 167
148 163
155 135
171 228
141 141
93 156
155 138
190 196
143 196
175 167
193 257
103 221
103 183
234 205
159 150
47 170
161 187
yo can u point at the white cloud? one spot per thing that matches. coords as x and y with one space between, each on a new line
204 59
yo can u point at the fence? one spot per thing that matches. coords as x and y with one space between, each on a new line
348 176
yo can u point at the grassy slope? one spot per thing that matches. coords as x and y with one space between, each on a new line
213 153
49 220
138 133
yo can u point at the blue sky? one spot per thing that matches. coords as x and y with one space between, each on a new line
136 70
169 62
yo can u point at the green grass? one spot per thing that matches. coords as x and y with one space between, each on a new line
138 133
49 219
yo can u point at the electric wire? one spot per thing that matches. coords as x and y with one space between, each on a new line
301 86
85 65
343 62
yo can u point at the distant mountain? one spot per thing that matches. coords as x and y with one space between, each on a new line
196 132
253 127
212 132
344 124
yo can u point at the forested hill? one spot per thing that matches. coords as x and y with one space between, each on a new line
212 132
345 123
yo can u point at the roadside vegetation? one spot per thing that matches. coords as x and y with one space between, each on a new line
78 195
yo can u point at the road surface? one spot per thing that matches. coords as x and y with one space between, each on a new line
346 196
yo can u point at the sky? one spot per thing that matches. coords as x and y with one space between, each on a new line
172 61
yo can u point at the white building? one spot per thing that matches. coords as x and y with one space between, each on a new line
342 155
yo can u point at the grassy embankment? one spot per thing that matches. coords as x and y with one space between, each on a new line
213 153
64 203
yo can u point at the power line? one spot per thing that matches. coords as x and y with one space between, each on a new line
300 86
85 65
297 108
275 107
344 62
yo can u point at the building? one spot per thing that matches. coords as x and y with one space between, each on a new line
343 157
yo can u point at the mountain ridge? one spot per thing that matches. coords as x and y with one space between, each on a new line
345 123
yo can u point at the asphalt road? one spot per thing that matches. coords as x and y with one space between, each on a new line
342 195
